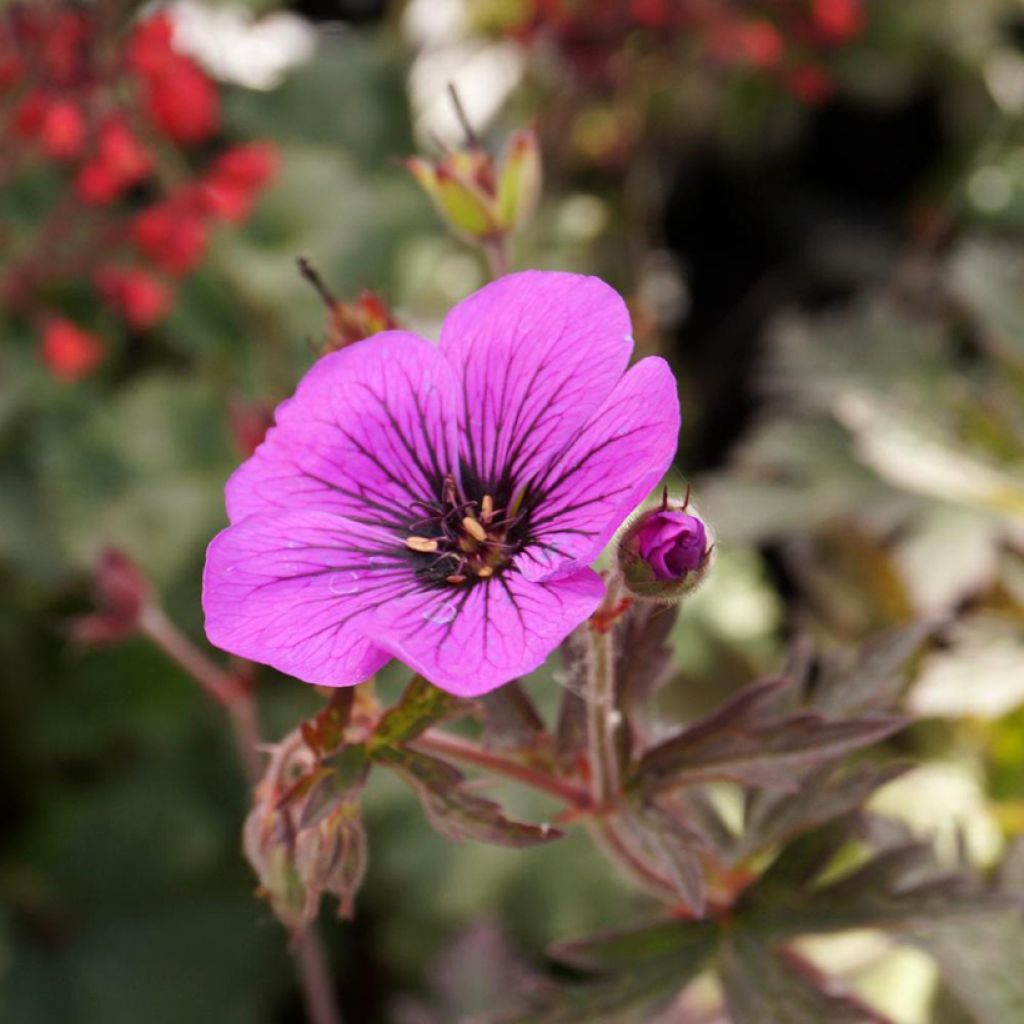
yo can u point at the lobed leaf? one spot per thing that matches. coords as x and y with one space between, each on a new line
453 809
745 742
421 706
761 986
637 968
510 718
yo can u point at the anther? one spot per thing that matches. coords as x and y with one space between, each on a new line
487 508
484 571
424 545
474 529
456 578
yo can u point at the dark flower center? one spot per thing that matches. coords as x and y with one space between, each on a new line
463 539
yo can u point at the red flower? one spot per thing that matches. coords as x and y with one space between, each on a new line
122 153
68 351
839 21
143 300
150 50
761 43
62 45
96 184
171 234
809 84
120 162
182 101
237 175
62 130
29 114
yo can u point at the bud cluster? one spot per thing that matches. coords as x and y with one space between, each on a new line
117 118
483 200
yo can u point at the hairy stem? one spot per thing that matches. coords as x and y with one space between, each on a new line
233 694
434 742
602 717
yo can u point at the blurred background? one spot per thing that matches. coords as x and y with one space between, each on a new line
816 211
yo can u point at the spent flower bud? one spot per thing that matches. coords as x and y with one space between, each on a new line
121 593
665 554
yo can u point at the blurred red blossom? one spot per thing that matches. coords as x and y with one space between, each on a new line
68 351
171 234
784 40
107 105
236 178
143 300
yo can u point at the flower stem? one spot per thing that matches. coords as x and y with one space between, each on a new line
314 972
226 689
496 253
602 717
234 695
451 746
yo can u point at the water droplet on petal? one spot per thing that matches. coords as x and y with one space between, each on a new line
344 583
441 614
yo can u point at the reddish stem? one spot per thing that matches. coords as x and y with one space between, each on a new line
462 750
234 695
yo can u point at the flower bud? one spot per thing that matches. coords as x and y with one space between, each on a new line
664 554
519 179
121 594
482 200
462 204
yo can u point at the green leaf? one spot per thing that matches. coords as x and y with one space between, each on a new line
669 839
421 706
764 987
871 677
453 809
640 967
982 965
772 817
339 778
900 887
745 741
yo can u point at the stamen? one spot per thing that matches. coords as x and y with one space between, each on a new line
456 578
487 508
474 529
484 571
424 545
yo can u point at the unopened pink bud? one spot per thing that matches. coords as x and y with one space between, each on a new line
664 554
672 543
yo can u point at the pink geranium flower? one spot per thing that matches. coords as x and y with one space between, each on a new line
442 504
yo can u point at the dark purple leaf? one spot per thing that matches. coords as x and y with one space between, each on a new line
453 809
510 718
763 987
744 742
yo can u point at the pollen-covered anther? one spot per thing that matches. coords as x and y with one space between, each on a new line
474 529
484 571
487 508
423 545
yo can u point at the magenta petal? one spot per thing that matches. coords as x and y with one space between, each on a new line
370 430
470 641
287 590
539 352
623 452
